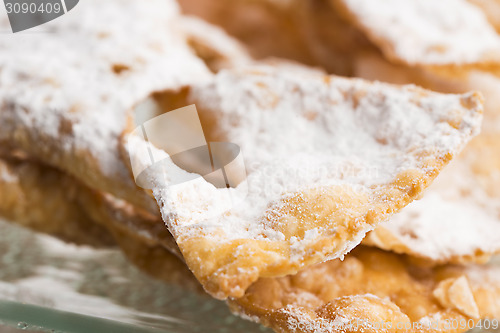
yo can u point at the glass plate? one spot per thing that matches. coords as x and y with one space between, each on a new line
47 285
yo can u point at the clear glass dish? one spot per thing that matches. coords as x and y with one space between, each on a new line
50 286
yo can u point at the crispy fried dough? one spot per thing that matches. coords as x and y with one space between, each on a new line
47 200
371 288
212 45
68 111
415 32
310 32
267 28
458 220
339 130
43 199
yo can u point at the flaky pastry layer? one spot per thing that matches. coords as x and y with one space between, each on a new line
373 291
295 120
458 218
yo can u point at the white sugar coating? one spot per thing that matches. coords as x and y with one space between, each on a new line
456 218
65 75
427 31
300 130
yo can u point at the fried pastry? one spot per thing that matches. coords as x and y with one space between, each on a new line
69 110
373 66
212 45
268 28
42 199
48 201
415 32
310 32
333 42
327 158
458 218
491 8
374 291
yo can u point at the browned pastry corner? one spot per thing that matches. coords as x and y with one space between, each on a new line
371 290
44 199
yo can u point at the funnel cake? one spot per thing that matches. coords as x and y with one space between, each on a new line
415 32
327 160
373 291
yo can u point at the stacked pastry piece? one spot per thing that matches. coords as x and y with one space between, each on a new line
328 159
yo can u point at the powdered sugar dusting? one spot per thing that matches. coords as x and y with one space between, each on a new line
427 31
456 219
303 131
73 85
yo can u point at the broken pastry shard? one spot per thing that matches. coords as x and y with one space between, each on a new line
458 219
69 110
371 290
327 160
414 32
310 32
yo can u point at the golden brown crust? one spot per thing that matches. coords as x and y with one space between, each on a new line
369 287
469 185
64 123
227 265
267 28
43 199
47 200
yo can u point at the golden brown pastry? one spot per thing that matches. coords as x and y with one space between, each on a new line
374 291
43 199
46 200
328 159
267 28
414 32
457 220
69 111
